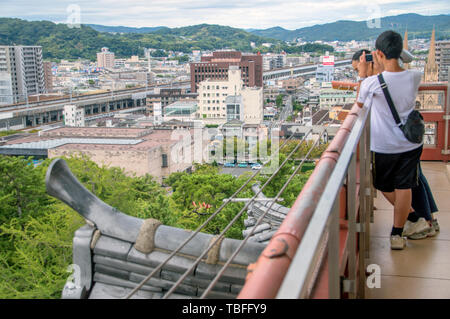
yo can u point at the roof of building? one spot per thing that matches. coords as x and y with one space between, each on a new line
95 138
115 252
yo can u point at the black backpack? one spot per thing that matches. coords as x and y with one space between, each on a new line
414 128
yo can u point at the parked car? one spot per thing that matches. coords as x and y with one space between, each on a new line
228 165
256 166
242 164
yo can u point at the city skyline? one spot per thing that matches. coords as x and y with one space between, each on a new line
255 14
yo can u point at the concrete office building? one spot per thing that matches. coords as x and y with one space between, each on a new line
21 73
215 67
216 95
166 96
74 115
105 59
48 76
443 59
273 61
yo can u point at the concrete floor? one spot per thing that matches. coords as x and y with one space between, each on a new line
422 269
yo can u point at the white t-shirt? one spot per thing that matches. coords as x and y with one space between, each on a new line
386 137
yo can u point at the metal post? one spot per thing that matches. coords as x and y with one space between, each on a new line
351 217
367 186
333 253
361 215
447 109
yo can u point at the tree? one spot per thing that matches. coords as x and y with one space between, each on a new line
279 100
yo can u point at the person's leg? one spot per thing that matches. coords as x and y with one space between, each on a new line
402 207
390 196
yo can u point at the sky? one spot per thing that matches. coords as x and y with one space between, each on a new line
256 14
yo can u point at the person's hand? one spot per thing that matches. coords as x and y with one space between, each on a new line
377 65
365 68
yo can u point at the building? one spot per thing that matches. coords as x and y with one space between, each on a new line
215 67
48 76
329 98
183 110
21 73
73 115
430 100
291 85
213 102
105 59
138 151
166 96
325 71
443 59
273 61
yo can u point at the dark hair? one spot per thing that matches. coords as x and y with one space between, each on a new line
359 53
390 43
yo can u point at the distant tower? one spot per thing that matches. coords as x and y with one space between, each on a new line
431 68
429 100
405 47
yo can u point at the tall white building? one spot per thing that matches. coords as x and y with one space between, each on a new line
273 61
74 115
222 100
105 59
21 73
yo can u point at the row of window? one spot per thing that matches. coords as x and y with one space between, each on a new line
212 94
212 101
212 87
213 108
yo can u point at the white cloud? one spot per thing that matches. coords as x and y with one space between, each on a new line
290 14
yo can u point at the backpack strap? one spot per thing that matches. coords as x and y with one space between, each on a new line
389 99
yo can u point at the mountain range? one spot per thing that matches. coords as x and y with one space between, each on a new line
418 26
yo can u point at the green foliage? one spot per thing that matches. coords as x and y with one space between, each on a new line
279 100
6 133
61 42
36 230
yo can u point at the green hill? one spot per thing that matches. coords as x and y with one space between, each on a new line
418 27
61 42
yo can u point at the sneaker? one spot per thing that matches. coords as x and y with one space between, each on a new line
430 232
419 228
435 224
398 242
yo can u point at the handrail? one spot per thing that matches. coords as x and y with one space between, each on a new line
267 274
326 216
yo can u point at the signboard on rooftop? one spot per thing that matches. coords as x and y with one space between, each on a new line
328 60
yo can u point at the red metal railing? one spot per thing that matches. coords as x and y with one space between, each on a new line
267 278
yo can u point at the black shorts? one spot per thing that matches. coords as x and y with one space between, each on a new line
396 171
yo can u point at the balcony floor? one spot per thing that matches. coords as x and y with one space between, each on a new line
422 269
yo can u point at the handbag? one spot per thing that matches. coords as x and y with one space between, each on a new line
414 127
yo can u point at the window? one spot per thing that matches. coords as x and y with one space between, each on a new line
164 160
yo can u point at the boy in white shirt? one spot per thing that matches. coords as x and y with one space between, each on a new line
395 159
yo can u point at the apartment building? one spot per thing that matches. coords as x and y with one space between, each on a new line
48 76
215 67
273 61
21 73
222 100
443 59
73 115
105 59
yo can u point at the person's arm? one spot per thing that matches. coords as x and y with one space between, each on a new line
377 65
363 92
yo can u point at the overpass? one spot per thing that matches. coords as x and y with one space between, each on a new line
302 70
20 116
